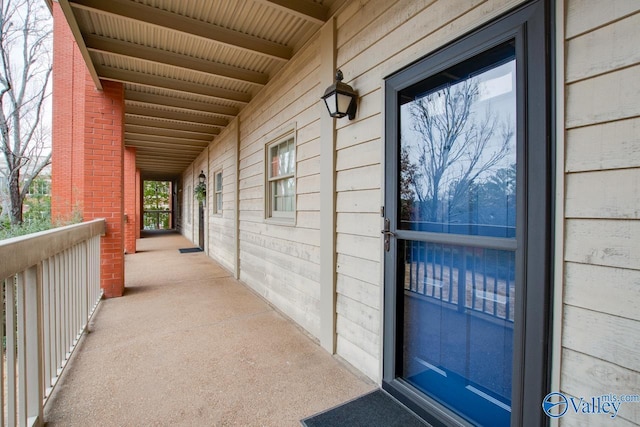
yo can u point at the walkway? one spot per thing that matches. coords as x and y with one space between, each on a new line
189 345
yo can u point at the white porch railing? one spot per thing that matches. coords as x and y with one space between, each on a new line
50 287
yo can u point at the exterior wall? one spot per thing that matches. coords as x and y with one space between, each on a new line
189 204
374 40
221 227
282 262
601 320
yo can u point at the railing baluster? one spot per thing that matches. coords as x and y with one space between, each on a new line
22 358
46 319
34 390
4 284
48 296
10 345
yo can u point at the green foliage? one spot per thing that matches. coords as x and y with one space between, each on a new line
157 204
200 192
8 231
37 212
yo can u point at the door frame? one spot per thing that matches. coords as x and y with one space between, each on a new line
201 235
530 26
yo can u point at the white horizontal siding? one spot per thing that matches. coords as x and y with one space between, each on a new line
374 39
601 324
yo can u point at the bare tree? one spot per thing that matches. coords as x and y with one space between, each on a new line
25 67
455 147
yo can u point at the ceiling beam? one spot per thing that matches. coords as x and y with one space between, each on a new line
174 158
166 151
77 35
131 50
164 139
171 133
310 11
143 79
172 21
191 128
151 145
175 115
185 104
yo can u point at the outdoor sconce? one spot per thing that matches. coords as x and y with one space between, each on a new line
200 191
341 99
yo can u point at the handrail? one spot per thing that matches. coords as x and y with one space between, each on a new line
51 286
21 252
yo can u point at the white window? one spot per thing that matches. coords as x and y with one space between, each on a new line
281 180
217 194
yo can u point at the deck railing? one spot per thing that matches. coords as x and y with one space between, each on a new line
50 288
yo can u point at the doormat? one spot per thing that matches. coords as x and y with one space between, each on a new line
189 250
376 409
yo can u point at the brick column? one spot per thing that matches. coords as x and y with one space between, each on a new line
130 192
104 176
88 151
67 168
138 203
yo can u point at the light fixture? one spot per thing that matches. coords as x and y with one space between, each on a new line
202 178
340 99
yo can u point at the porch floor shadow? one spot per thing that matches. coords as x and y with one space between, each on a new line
190 345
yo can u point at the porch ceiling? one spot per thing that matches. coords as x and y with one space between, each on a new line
188 66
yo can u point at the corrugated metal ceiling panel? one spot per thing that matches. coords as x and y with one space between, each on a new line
164 83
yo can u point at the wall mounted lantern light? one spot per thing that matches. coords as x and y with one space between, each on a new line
341 99
200 190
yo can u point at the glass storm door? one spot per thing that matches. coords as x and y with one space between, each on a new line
456 215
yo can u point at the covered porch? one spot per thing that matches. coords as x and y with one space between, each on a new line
190 345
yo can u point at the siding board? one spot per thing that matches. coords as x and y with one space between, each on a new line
603 50
585 15
613 145
612 243
604 98
602 336
606 194
602 288
587 376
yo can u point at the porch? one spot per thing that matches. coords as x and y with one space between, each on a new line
190 345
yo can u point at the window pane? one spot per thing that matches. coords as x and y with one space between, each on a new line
458 327
458 155
283 195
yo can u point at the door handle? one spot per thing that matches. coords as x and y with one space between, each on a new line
387 233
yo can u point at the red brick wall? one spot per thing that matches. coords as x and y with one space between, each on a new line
88 151
138 203
67 167
130 193
104 176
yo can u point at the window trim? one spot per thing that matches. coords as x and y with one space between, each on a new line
270 215
215 209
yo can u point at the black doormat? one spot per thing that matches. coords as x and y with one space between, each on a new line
376 409
189 250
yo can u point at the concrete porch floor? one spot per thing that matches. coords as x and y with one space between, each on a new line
189 345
